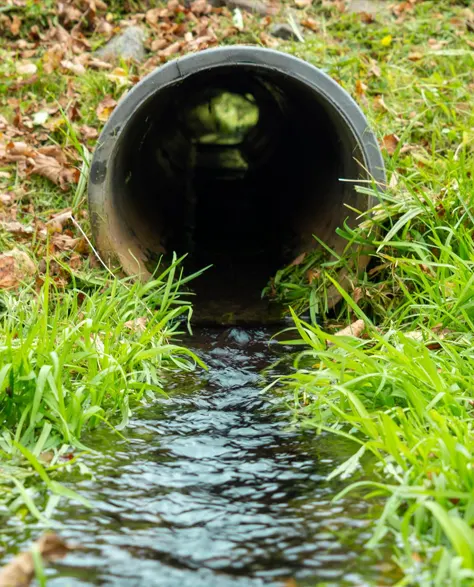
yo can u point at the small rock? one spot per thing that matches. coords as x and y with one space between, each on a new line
127 45
284 31
239 336
371 7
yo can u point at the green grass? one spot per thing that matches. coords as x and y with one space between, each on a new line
77 358
403 392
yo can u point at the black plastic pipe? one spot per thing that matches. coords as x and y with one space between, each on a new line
175 169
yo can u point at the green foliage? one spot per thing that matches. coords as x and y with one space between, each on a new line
71 360
404 392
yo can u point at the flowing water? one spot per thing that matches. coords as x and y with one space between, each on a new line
212 488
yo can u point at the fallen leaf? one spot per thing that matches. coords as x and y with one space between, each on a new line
153 15
15 25
200 7
379 104
58 221
15 267
367 17
47 456
20 571
53 170
88 132
311 24
39 118
105 108
357 294
360 88
17 228
137 324
312 275
26 68
415 56
390 143
63 242
354 329
172 49
299 259
76 68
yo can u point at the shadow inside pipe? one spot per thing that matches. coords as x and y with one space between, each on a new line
239 168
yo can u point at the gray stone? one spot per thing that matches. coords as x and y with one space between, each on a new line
284 31
127 45
372 7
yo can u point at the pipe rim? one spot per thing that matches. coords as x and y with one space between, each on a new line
173 72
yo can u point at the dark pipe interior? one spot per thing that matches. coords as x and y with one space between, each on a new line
252 215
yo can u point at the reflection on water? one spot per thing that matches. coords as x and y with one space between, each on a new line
212 489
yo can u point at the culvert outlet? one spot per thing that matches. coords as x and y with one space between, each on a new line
237 156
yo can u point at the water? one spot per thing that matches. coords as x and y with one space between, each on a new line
212 489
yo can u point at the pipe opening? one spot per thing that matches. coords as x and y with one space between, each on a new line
238 165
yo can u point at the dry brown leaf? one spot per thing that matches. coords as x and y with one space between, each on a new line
17 228
153 15
367 17
88 132
200 7
298 260
74 67
59 220
105 108
390 143
15 267
20 571
53 57
26 68
360 88
268 40
63 242
53 170
379 104
17 150
15 25
54 151
310 24
172 49
312 275
357 294
415 56
137 324
354 329
158 44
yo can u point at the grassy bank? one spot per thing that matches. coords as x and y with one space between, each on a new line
79 347
75 359
401 388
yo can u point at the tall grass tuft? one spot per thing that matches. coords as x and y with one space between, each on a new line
72 360
404 391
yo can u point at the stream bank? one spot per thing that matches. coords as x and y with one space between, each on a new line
212 488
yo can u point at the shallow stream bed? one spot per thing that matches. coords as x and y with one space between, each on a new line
212 488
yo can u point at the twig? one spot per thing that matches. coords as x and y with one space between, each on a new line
94 250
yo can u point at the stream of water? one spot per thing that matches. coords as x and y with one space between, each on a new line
212 488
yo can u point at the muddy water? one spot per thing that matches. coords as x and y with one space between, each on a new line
212 489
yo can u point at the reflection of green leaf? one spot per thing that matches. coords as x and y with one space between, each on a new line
223 119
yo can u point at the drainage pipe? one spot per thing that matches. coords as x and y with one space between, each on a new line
237 156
